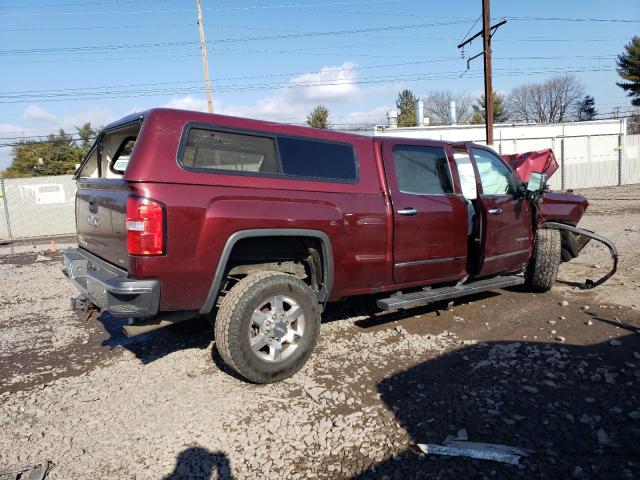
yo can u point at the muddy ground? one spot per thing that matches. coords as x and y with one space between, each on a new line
508 367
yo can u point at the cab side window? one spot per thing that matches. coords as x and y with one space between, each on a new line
422 170
495 176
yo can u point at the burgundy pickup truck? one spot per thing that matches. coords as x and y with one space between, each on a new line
256 225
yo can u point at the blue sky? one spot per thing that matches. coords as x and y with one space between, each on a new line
64 62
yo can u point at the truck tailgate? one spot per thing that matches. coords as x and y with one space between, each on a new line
101 218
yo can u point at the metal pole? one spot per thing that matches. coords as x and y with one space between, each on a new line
619 159
562 167
205 62
488 87
6 205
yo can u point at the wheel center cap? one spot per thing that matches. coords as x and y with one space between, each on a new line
279 330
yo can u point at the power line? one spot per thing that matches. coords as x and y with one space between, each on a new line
57 50
224 9
381 79
425 61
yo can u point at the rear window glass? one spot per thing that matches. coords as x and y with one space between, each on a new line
234 152
121 158
310 158
422 170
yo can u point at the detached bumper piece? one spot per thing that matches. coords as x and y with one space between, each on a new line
109 288
582 237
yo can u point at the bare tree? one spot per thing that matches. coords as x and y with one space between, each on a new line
437 106
554 100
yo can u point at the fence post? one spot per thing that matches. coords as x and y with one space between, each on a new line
619 159
6 205
562 169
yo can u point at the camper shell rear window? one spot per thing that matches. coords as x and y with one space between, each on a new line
205 148
110 154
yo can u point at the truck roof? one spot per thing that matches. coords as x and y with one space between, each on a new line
188 116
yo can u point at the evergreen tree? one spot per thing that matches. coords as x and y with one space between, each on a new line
629 70
406 104
500 112
587 108
319 117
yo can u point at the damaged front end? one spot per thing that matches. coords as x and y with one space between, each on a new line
558 210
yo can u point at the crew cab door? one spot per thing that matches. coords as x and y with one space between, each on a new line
506 234
429 219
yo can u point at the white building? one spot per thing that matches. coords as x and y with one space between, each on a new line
591 154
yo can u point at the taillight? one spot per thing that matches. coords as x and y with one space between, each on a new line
145 227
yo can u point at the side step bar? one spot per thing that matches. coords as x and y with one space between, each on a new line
424 297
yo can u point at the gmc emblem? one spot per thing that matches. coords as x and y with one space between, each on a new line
93 220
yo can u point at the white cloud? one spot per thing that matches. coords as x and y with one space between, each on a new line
188 103
293 101
376 116
98 116
38 114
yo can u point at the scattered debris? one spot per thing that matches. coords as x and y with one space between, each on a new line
564 303
42 258
314 392
30 472
603 439
615 343
481 451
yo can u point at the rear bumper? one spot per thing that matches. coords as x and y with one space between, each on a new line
109 288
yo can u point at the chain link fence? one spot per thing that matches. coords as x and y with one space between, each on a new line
37 207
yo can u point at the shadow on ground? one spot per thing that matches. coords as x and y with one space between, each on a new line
576 407
157 344
197 463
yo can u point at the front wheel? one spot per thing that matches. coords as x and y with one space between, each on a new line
542 270
267 326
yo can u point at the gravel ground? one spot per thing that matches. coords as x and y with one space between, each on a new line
557 373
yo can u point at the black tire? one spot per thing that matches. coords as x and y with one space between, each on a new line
234 322
542 269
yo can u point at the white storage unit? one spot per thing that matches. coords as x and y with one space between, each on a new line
589 153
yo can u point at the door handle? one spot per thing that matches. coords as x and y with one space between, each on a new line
407 211
495 211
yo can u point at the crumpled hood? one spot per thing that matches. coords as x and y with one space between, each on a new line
540 161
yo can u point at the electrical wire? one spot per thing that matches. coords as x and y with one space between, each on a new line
379 79
224 9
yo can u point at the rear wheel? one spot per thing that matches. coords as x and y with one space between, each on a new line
267 326
542 269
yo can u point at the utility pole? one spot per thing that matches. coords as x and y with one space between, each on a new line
486 33
205 62
488 87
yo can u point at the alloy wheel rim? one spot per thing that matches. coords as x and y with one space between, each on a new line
276 328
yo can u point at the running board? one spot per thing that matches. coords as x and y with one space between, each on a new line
431 295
